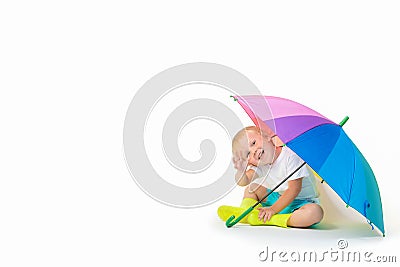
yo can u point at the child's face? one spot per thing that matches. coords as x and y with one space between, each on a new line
256 149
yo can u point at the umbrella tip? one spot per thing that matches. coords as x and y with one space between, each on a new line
344 121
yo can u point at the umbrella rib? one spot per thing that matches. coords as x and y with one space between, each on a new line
352 180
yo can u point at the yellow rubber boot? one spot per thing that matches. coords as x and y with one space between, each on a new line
248 202
224 212
277 219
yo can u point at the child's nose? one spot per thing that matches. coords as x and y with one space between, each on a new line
253 153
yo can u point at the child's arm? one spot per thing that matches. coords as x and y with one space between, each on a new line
246 178
243 177
288 196
284 200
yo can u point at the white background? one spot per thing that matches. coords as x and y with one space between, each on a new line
68 72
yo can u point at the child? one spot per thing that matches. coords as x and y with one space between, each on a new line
261 165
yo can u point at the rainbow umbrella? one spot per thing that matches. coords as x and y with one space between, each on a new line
324 146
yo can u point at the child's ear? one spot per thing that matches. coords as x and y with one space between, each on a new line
276 141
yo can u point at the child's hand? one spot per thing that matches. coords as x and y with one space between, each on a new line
265 214
239 163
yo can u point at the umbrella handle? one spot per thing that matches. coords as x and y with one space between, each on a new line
231 220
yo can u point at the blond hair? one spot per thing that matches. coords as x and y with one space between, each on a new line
242 133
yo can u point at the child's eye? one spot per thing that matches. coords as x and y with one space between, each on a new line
254 142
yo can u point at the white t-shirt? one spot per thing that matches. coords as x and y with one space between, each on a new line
271 175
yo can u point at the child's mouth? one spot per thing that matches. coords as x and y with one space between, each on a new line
260 154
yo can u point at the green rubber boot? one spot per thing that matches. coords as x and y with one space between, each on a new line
277 219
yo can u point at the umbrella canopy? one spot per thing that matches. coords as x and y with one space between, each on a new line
324 146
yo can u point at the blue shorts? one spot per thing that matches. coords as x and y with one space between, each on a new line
296 203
